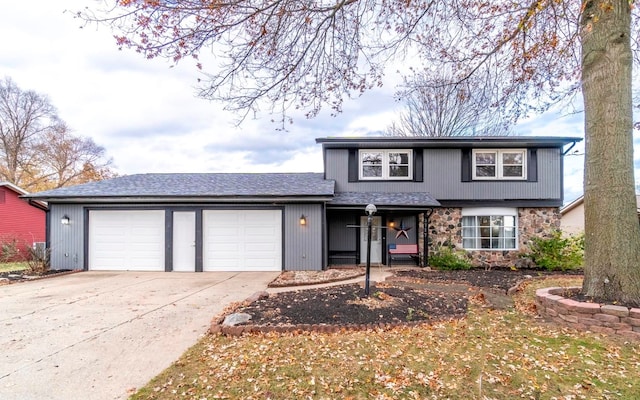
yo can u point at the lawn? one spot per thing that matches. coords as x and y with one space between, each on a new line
13 266
489 354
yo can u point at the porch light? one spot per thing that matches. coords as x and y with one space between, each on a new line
65 220
303 220
392 223
370 209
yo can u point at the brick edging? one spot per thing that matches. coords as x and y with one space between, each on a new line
584 316
239 330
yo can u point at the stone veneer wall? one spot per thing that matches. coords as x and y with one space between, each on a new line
445 226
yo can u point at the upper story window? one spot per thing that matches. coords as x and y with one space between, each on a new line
386 164
499 164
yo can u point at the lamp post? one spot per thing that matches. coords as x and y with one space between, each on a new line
370 209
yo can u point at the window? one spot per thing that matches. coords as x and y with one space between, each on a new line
489 229
499 164
385 164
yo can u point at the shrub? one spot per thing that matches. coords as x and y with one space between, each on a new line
39 261
446 258
9 249
557 252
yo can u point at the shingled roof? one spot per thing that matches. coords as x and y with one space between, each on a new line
198 185
381 199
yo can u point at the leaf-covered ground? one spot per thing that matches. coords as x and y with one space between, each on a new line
488 354
411 295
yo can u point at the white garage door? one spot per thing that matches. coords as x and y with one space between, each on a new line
126 240
242 240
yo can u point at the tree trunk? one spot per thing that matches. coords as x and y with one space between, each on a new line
612 232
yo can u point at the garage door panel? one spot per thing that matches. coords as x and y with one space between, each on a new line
126 240
242 240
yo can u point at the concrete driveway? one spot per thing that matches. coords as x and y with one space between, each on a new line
99 335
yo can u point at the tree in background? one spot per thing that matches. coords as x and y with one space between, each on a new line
37 151
288 53
437 105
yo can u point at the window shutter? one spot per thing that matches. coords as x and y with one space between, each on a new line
532 165
418 168
353 165
466 165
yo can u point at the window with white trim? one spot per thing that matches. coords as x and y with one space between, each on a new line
386 164
499 164
489 229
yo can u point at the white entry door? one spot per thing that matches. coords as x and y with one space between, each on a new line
184 241
376 240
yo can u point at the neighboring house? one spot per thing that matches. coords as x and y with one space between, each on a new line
487 195
22 223
572 216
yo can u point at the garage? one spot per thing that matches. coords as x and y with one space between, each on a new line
126 240
242 240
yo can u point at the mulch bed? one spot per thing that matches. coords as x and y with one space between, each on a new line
346 304
501 279
22 276
412 295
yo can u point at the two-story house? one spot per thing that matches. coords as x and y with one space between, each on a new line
486 195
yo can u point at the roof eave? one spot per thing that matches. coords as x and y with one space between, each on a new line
190 199
448 142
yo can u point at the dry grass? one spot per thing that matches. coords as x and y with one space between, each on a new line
13 266
488 355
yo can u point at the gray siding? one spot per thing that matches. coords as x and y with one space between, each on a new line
303 244
443 178
66 241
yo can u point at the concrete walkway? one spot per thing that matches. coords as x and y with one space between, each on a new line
100 335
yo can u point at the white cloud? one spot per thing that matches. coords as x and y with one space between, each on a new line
146 115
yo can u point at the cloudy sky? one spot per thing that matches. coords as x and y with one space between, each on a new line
146 115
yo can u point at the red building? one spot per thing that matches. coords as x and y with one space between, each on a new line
22 223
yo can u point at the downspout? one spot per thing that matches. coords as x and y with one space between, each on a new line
425 237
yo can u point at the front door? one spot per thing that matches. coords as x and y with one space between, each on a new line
376 240
184 241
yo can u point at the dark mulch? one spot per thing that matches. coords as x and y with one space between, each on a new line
420 295
502 279
345 304
21 276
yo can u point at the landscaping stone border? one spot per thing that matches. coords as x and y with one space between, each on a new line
613 320
31 278
239 330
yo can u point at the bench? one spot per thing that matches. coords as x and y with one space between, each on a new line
343 257
410 250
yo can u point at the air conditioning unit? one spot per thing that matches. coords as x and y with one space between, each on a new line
40 249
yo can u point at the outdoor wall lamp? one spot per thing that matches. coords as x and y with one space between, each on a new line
303 220
392 223
65 220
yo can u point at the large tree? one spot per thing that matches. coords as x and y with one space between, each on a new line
37 151
437 105
24 117
308 54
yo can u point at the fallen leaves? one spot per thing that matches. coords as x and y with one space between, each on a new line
490 354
